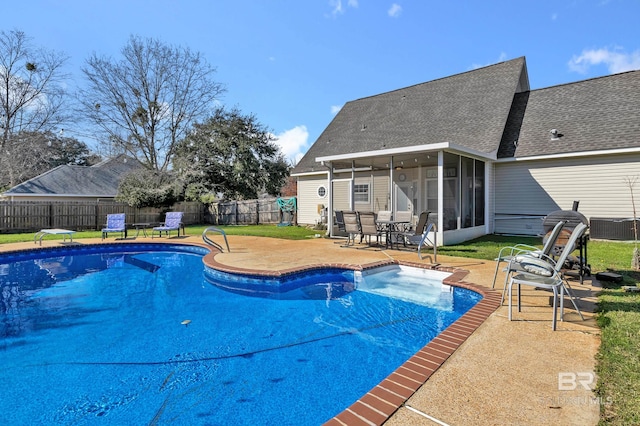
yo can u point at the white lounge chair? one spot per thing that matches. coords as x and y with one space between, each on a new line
546 273
506 254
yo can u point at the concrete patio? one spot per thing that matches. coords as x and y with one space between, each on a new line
506 372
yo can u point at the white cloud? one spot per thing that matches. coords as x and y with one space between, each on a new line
554 16
338 9
335 109
615 60
501 58
293 143
395 10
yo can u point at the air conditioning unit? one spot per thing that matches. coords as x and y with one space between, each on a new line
609 228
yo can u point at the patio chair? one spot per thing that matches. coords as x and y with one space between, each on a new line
506 254
115 223
172 222
368 226
546 273
405 216
381 217
420 235
351 227
340 220
384 215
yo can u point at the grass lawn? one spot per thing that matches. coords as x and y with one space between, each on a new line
285 232
618 360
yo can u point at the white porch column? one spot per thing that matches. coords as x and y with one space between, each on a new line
440 223
330 202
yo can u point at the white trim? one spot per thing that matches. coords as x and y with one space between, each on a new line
321 172
355 169
406 150
571 155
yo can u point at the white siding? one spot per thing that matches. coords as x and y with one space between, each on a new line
529 189
308 199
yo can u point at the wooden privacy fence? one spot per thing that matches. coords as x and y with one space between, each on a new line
27 216
249 212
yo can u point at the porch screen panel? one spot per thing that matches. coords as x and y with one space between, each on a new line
479 193
467 192
450 198
341 197
472 192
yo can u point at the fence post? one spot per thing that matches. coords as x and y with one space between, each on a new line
97 215
236 212
50 215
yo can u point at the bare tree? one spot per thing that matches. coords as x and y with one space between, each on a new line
630 181
29 154
32 91
146 101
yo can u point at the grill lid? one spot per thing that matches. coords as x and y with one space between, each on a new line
572 217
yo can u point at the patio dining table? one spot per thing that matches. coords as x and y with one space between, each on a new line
391 227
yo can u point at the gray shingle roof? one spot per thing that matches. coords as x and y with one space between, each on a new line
101 179
468 109
591 115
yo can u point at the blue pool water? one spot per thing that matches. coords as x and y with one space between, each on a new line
99 336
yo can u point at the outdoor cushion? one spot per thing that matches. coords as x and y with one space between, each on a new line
535 265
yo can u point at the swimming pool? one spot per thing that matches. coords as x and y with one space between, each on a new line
143 334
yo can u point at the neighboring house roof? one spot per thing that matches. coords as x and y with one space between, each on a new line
590 115
468 109
99 180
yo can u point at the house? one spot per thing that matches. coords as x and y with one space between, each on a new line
481 151
76 183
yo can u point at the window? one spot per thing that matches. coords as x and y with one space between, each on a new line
322 192
361 193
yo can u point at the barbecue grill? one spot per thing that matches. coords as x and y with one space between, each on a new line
573 218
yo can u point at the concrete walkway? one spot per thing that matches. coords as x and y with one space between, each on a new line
507 372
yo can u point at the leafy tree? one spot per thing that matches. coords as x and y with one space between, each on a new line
149 188
28 154
230 154
146 101
32 91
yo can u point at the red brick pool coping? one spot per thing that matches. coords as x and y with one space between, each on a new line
381 402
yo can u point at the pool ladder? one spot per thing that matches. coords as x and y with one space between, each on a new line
209 241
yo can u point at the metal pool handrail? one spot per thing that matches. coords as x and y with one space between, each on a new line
211 242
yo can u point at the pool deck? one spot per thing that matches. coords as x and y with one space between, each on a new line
484 369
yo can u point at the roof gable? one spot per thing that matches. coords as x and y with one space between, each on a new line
590 115
101 179
468 109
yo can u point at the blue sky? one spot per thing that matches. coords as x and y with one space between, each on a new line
295 63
